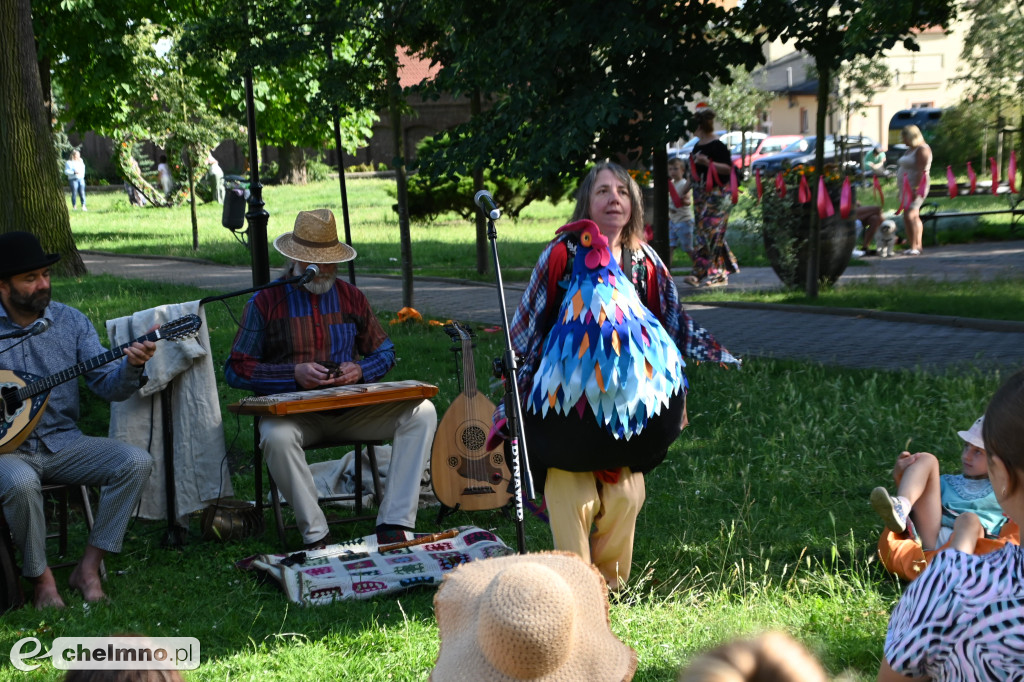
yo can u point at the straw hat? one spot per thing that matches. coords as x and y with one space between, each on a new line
540 617
314 239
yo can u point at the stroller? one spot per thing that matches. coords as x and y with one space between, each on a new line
235 197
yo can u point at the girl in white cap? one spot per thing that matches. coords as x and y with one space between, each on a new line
957 509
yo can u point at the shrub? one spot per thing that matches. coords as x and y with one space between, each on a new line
317 171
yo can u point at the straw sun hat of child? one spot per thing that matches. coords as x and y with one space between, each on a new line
541 617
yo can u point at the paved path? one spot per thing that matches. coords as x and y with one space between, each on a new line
848 338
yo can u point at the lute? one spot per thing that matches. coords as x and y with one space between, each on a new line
23 395
464 473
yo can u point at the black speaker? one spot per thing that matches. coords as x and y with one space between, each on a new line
233 217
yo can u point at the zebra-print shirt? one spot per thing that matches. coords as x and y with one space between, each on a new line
962 619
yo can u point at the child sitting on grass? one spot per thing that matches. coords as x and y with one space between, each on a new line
955 508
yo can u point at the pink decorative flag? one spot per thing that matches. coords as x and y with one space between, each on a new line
845 199
972 178
1011 174
693 170
878 191
803 193
906 195
825 208
951 182
922 187
713 179
757 181
780 186
995 173
734 188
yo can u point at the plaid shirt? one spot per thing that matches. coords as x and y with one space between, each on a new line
284 326
535 315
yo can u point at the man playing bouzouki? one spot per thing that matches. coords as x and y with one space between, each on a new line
318 335
56 451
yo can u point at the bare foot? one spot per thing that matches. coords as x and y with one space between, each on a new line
46 594
88 583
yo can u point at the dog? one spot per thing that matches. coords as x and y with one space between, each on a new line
886 239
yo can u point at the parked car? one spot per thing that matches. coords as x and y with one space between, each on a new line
772 144
731 139
801 153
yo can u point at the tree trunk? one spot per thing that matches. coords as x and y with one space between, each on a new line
31 196
660 212
478 184
192 200
814 241
292 165
402 184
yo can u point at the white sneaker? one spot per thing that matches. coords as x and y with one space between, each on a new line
857 253
893 510
84 208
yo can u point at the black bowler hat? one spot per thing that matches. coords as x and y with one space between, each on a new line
20 252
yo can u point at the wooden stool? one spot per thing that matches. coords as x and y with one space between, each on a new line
11 594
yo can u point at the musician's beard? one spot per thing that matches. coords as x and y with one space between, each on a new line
32 304
323 281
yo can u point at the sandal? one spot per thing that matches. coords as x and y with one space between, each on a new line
717 281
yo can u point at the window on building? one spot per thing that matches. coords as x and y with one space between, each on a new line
805 121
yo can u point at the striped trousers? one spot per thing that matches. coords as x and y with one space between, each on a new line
121 471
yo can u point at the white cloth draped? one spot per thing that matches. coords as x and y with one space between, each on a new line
200 467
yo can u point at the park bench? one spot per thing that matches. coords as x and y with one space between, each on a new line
930 213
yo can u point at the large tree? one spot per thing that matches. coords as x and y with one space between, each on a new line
31 197
835 32
569 84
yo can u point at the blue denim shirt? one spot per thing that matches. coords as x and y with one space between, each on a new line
71 339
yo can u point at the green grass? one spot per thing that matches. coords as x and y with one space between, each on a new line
445 247
757 519
1000 299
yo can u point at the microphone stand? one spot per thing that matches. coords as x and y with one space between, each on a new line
241 292
521 480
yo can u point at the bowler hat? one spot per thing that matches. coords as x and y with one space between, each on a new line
21 252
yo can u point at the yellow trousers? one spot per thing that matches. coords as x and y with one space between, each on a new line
578 501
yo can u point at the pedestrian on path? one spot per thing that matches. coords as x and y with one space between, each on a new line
74 168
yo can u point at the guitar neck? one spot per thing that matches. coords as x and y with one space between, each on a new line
468 370
47 383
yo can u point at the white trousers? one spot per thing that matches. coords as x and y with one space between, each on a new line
409 424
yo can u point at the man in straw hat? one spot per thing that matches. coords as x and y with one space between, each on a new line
318 335
540 617
56 451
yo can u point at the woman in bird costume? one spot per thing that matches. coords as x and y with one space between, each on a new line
602 336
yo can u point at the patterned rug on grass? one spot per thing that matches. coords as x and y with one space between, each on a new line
359 569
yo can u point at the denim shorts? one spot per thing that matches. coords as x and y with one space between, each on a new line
681 235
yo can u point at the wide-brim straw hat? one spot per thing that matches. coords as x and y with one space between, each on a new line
21 252
314 239
541 617
973 434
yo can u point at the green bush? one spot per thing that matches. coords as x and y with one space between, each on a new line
317 171
360 168
430 196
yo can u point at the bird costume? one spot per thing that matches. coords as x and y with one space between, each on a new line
606 352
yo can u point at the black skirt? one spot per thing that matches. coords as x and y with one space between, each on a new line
574 443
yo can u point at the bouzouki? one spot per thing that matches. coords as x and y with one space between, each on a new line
464 473
23 395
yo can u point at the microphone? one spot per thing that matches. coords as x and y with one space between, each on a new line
485 201
311 272
34 329
38 327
